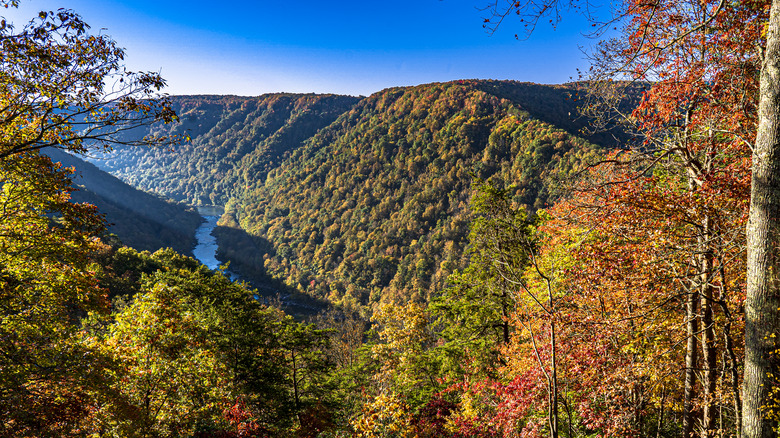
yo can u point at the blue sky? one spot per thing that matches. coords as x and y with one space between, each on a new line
346 47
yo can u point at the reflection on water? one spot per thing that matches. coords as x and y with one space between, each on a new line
206 248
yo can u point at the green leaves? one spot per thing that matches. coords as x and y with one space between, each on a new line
473 312
56 90
165 371
62 87
190 345
46 285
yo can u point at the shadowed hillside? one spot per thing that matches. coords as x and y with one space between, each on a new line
360 200
234 139
141 220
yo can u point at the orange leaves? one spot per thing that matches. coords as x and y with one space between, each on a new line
636 234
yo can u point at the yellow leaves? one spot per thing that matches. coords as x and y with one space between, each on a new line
404 354
404 328
161 364
47 279
386 416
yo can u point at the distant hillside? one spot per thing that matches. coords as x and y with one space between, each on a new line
140 220
358 200
234 139
558 106
376 205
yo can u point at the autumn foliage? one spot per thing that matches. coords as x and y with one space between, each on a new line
600 292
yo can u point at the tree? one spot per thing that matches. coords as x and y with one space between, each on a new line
519 296
196 354
762 304
59 87
407 367
658 39
167 380
47 285
474 312
62 87
639 279
306 368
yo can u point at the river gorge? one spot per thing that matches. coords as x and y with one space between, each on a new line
206 247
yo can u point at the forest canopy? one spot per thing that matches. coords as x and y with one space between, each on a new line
488 270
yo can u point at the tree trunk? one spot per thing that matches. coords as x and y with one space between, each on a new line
295 389
691 354
708 348
734 373
505 316
763 242
554 390
728 343
710 374
660 424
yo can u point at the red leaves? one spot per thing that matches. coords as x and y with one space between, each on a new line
431 419
241 422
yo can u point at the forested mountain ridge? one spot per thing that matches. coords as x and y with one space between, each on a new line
639 300
566 106
633 298
228 133
140 220
361 198
375 206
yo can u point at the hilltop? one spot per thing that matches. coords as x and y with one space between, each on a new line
359 200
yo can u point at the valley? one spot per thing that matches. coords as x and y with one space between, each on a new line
139 219
472 258
360 201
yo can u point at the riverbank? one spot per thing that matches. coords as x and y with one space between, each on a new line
207 247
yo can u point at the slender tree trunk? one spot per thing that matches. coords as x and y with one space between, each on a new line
639 407
691 357
295 389
762 316
728 343
554 383
734 374
710 375
708 350
660 424
505 316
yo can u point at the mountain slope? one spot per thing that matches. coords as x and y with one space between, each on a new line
360 200
140 220
375 206
227 132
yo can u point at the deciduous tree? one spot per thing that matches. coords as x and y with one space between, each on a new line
61 86
704 60
47 284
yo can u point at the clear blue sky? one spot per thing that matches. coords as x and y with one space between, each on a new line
347 47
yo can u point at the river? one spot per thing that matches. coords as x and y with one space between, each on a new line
206 252
206 248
